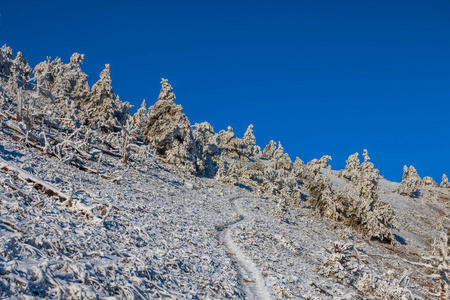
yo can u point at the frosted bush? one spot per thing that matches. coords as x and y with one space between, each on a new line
339 264
278 211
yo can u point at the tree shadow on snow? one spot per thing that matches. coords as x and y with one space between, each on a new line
400 239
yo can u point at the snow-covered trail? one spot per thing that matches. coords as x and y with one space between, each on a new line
255 283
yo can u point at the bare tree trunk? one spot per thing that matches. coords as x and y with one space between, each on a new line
19 106
29 123
125 148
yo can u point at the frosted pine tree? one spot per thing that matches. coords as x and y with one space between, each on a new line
206 140
140 119
168 126
249 138
298 168
6 58
351 168
269 149
233 174
221 174
281 160
233 146
429 181
101 104
19 71
445 184
410 183
358 204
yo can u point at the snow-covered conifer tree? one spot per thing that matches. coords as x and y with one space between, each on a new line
429 181
410 183
445 184
351 168
298 168
269 149
280 159
233 146
233 174
168 126
358 204
6 59
19 71
222 171
140 119
101 103
207 141
249 138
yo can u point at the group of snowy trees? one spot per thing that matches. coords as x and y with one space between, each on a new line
411 182
62 94
357 205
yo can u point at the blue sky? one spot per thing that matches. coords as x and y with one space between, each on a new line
322 77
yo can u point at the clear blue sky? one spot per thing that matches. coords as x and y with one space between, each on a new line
322 77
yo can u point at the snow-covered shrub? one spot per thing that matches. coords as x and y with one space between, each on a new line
339 264
365 211
410 183
206 140
269 149
65 89
440 265
429 181
169 131
278 211
344 266
444 184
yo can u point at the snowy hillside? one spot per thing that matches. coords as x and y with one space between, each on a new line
98 204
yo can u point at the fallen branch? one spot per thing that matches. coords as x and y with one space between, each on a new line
39 184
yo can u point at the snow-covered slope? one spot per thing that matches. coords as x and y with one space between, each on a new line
82 218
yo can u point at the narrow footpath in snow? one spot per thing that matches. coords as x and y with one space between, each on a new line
255 284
